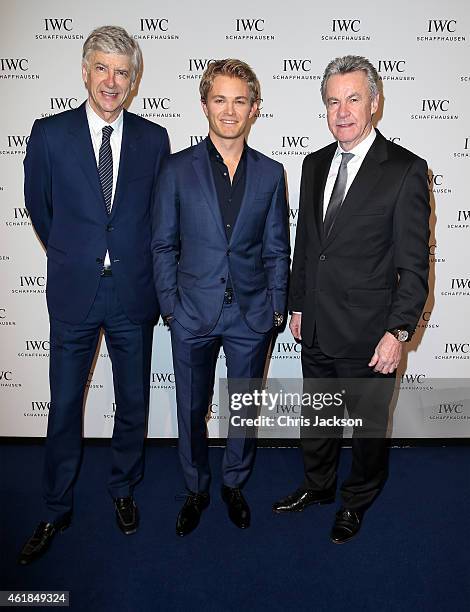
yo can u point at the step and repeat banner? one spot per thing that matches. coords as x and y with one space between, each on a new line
421 50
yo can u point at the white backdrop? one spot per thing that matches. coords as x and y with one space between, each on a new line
421 50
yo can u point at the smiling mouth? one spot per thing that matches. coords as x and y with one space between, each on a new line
344 125
109 94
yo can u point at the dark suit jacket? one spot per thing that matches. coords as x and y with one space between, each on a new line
371 273
64 198
192 257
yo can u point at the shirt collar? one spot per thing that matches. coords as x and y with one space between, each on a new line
362 148
96 123
214 154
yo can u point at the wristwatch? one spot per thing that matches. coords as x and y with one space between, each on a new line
278 319
402 335
167 319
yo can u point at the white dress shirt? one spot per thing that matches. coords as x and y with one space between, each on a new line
96 125
359 152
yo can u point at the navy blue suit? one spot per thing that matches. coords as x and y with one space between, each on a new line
64 198
193 260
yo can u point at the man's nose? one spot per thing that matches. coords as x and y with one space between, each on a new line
343 109
110 79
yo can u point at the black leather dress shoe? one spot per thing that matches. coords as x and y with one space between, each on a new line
127 514
300 499
238 509
190 513
41 539
347 524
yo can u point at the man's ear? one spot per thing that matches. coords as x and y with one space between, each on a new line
375 103
253 110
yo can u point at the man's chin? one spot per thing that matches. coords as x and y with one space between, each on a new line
345 135
110 104
230 136
110 108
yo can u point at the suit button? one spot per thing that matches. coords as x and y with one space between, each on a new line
228 251
322 257
222 280
109 228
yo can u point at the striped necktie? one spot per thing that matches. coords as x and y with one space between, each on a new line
105 167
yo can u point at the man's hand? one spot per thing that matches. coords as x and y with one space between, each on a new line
387 354
294 325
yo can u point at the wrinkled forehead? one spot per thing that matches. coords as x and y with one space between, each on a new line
114 60
347 83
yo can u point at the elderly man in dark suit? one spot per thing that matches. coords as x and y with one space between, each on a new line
359 280
89 183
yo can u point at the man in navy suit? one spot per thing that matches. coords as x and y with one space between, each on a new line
89 183
221 261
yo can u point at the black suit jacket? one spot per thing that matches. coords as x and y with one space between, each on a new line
371 273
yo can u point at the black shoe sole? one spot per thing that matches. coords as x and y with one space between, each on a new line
320 502
128 531
181 533
346 540
125 530
241 526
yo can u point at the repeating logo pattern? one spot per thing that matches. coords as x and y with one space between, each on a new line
424 110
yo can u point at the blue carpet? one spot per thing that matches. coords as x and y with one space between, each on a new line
413 552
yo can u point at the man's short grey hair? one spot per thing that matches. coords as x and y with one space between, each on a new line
113 39
351 63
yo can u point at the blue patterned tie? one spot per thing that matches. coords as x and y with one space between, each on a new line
105 167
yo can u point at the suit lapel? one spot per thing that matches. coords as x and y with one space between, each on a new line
83 148
203 169
321 175
251 187
130 136
363 184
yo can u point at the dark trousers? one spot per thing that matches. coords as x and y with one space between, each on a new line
72 349
194 363
369 468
